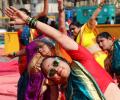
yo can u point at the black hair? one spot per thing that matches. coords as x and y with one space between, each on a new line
113 17
75 24
43 19
54 24
96 19
25 10
58 57
104 35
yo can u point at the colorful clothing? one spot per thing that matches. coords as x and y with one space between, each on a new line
23 81
30 89
23 63
87 38
25 36
81 85
112 63
36 77
62 53
86 59
116 58
22 84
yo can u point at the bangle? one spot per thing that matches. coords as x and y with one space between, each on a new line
31 22
100 5
28 20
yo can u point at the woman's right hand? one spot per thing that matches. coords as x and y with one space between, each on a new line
18 16
7 55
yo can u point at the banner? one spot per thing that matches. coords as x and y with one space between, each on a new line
11 42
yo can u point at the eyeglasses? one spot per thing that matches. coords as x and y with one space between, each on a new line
53 71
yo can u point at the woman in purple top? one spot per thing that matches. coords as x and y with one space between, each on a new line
35 52
31 82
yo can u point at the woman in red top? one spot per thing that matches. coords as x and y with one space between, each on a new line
77 52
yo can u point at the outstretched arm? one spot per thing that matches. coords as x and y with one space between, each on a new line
61 12
16 54
92 21
45 10
18 21
63 39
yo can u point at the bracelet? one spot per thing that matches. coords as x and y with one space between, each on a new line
14 54
100 5
31 22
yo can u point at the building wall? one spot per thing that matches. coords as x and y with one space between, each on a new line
114 30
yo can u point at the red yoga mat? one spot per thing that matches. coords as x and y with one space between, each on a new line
9 75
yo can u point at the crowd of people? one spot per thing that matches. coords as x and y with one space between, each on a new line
77 63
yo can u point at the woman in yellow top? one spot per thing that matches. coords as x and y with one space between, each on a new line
86 36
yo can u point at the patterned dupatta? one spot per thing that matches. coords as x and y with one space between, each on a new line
36 89
116 57
62 53
81 85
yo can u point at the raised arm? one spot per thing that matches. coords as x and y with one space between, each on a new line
61 12
63 39
92 21
44 12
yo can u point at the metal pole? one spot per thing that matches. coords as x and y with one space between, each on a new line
10 2
33 7
3 7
